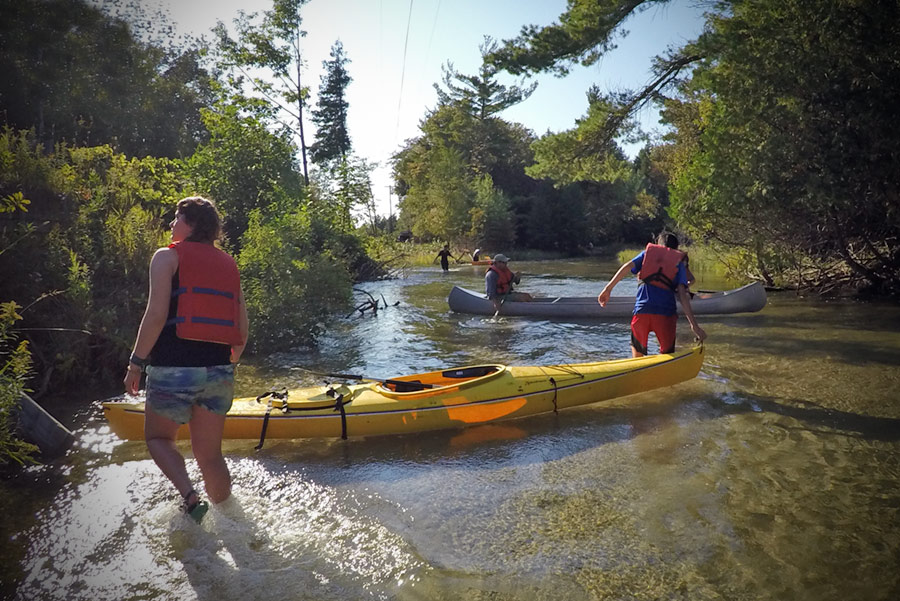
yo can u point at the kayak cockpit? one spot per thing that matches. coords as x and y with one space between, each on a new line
439 380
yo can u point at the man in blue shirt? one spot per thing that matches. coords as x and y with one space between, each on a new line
654 307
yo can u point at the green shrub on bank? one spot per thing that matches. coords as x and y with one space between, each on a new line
15 367
290 287
84 245
82 250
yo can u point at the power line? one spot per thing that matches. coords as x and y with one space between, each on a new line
433 27
403 71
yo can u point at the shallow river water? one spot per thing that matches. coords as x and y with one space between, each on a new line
773 475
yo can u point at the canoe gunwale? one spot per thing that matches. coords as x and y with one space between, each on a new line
746 299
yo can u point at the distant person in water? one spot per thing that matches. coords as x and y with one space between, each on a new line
443 255
476 254
499 280
663 273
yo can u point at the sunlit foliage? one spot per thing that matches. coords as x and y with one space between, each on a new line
789 150
244 167
784 149
78 76
292 279
265 61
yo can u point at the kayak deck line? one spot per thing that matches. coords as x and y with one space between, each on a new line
573 385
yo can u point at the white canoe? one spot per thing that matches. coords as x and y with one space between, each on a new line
747 299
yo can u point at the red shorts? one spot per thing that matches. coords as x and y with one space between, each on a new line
663 325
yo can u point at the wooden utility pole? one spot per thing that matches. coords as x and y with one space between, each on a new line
390 211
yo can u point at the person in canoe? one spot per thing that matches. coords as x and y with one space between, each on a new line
444 255
663 274
192 333
476 254
499 280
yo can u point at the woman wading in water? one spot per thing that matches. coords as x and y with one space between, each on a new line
193 332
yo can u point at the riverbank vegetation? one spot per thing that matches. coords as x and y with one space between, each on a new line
781 160
15 367
783 153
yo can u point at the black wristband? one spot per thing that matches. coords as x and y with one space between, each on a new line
142 363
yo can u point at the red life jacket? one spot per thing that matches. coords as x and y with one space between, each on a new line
209 288
504 279
660 266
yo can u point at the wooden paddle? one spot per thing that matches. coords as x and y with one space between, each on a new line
499 307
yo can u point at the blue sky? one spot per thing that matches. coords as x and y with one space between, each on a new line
391 91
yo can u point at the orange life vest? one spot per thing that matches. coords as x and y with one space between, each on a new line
660 266
504 278
209 288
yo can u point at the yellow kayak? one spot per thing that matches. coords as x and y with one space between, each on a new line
437 400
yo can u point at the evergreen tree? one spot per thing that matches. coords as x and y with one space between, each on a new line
491 215
433 173
480 94
583 35
332 138
789 156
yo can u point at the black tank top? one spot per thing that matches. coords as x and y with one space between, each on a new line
172 351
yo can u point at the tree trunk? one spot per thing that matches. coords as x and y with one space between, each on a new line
300 111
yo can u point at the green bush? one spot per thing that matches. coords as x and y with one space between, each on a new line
292 280
79 226
82 249
15 367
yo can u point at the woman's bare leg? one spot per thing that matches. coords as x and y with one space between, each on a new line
159 433
206 442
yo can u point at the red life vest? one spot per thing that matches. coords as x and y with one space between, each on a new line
504 278
209 288
660 266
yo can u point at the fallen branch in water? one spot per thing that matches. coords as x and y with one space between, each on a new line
369 305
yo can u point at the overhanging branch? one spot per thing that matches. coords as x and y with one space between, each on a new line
614 121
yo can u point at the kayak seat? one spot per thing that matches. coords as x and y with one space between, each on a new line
407 386
470 372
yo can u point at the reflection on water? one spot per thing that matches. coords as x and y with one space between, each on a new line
278 530
773 475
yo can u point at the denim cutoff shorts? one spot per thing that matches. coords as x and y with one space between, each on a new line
173 391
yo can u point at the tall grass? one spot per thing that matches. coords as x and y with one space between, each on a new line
424 254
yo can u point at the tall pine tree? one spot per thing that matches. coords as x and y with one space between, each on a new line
332 139
481 95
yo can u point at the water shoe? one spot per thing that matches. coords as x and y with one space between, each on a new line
197 509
